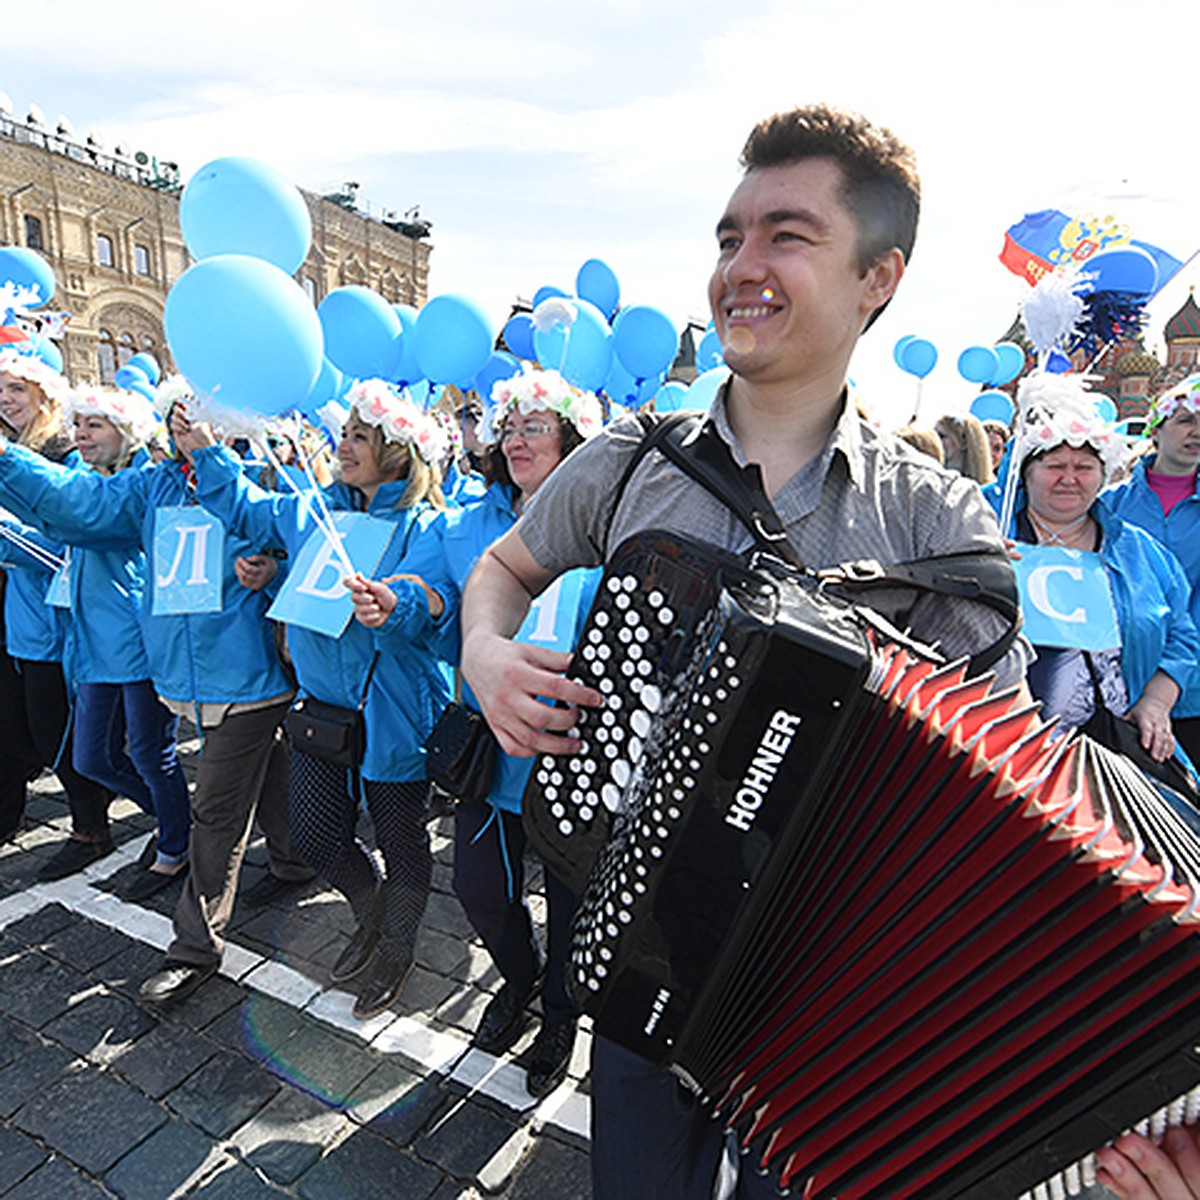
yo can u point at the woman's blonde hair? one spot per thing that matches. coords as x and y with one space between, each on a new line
395 458
975 460
47 424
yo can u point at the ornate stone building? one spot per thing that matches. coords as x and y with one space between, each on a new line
108 223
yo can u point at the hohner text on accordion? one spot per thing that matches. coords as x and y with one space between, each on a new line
756 782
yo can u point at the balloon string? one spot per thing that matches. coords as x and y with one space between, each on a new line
47 558
313 500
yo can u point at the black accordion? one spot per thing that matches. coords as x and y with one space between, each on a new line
905 938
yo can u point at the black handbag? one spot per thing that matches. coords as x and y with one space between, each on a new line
460 753
329 732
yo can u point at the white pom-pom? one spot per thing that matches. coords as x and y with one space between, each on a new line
1052 310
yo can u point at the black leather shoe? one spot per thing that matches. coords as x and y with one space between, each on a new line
150 883
356 957
383 986
174 982
270 889
547 1059
73 855
504 1020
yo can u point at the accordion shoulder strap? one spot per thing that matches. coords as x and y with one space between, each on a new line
983 576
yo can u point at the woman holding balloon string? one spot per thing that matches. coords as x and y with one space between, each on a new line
211 655
35 714
535 421
388 455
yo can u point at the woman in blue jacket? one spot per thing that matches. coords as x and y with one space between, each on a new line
1065 453
211 655
105 659
388 455
35 704
536 421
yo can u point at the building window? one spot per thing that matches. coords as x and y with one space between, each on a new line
107 356
33 233
104 250
141 260
310 288
126 350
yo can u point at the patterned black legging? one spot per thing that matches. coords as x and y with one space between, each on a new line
323 816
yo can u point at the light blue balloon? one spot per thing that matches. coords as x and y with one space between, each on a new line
898 349
581 352
148 365
143 388
453 339
545 292
405 370
421 392
992 406
244 332
703 389
919 357
619 386
597 283
130 374
330 384
1105 408
244 206
500 365
977 364
670 397
360 329
27 269
645 340
1010 362
40 346
710 353
518 336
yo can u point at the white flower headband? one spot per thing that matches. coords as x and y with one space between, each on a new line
374 403
1185 394
33 370
132 414
1057 410
532 390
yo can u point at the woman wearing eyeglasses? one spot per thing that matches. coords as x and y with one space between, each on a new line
535 421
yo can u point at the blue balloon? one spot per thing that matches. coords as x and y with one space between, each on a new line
704 388
453 339
27 269
360 329
243 206
992 406
148 365
581 352
130 374
1129 270
420 394
1105 408
597 283
330 384
619 386
500 365
670 397
977 364
710 353
919 357
545 292
404 369
143 388
244 332
518 336
645 340
898 349
1010 362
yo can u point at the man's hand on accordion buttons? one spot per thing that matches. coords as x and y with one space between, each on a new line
1134 1168
513 683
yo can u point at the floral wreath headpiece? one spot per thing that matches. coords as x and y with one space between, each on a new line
533 390
1058 410
132 414
33 370
375 403
1185 394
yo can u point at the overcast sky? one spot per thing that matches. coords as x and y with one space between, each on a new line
536 135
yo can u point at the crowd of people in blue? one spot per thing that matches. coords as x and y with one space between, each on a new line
112 503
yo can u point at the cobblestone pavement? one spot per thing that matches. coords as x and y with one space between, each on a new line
261 1084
